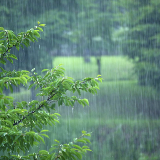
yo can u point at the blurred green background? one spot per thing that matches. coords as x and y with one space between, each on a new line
118 39
123 116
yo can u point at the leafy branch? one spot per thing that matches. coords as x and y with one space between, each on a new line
9 40
21 123
88 84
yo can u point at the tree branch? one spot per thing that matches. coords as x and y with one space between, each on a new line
40 106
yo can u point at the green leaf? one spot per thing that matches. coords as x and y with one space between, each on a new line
73 157
88 134
2 35
12 56
43 25
10 60
65 154
39 29
78 147
2 69
45 135
86 101
51 149
81 140
53 155
100 79
56 141
53 106
56 120
25 157
45 70
57 114
31 86
39 138
62 157
32 70
2 61
60 102
26 42
84 132
11 88
9 122
88 150
44 131
17 47
21 111
78 90
87 140
43 152
36 33
24 80
77 154
9 97
1 28
85 147
31 39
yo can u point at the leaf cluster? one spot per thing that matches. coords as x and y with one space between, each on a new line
21 123
8 40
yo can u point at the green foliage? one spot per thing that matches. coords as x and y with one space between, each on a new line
21 123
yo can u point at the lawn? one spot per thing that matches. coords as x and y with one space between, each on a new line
113 67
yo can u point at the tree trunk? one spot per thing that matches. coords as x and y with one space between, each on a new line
98 59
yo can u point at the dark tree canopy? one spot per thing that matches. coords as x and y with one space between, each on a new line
142 18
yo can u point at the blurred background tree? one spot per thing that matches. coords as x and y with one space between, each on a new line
141 19
73 28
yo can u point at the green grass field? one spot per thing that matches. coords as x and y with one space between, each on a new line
113 67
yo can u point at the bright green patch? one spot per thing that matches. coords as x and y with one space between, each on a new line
112 67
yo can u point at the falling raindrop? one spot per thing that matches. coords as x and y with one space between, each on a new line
118 39
72 109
